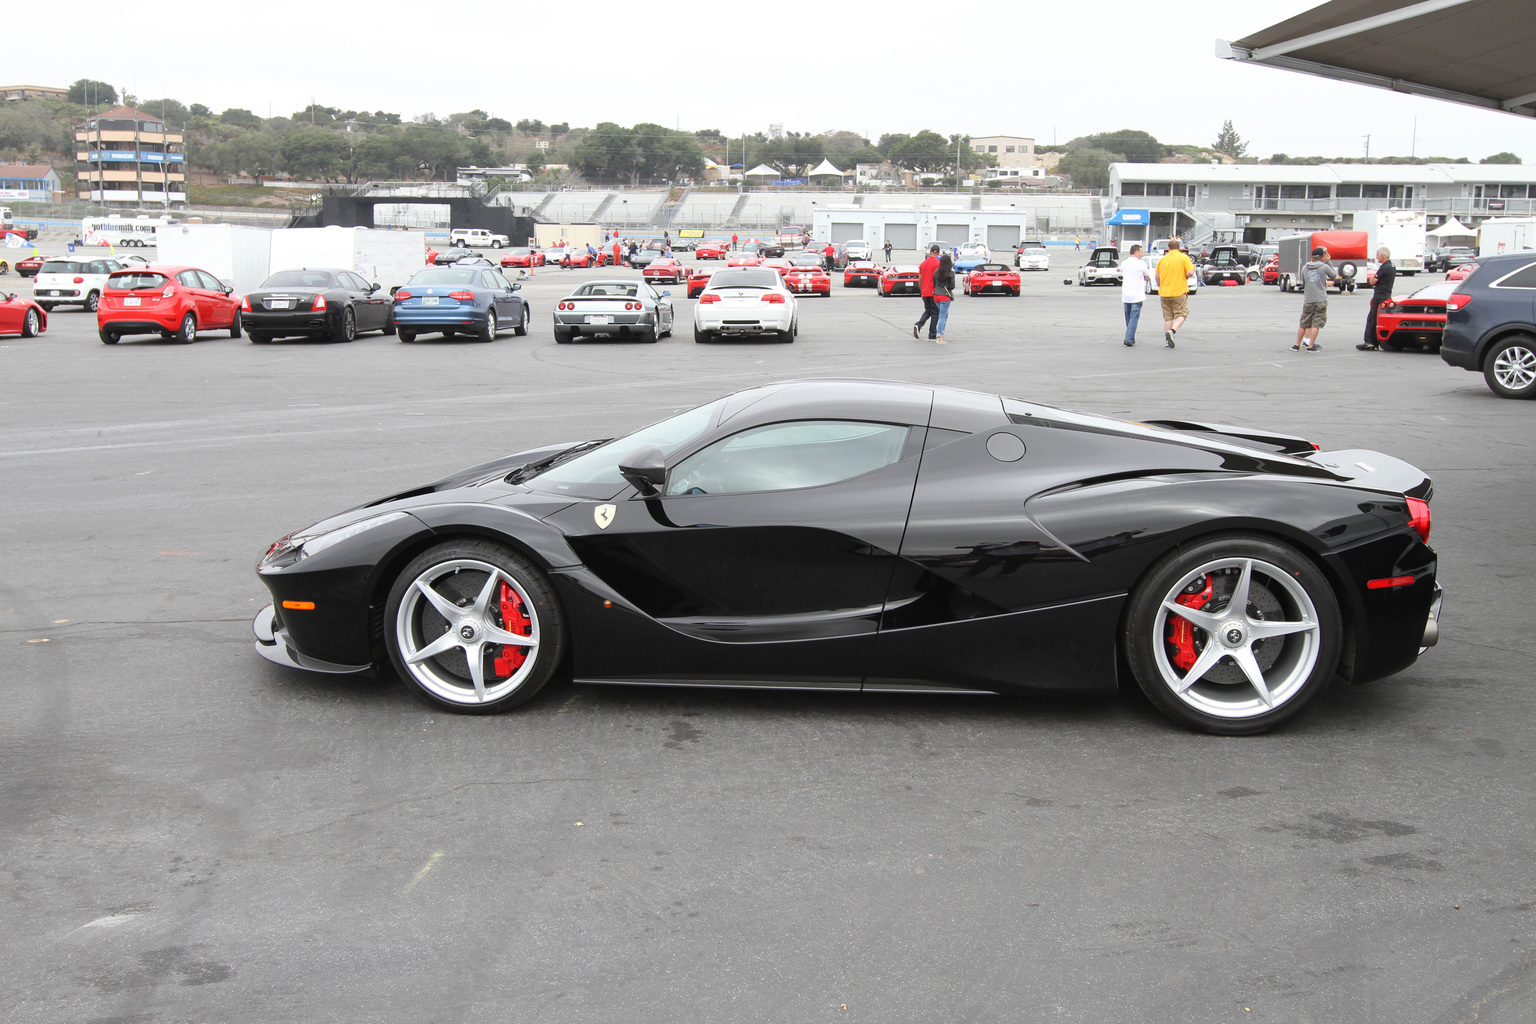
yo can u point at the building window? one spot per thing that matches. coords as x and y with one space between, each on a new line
1293 191
1319 191
1512 192
1349 191
1133 188
1008 149
1159 188
1373 191
991 149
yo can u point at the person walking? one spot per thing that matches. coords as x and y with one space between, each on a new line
1386 273
944 292
1134 278
1315 276
887 250
1077 243
1173 273
734 240
925 272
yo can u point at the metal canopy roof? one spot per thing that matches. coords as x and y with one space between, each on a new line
1476 52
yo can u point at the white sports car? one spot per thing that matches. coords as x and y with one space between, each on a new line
746 302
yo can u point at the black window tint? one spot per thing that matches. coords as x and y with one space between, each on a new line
133 281
1525 277
786 456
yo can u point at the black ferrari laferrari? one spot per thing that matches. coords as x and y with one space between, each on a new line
890 537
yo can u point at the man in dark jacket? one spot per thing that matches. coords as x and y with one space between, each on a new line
1386 273
925 272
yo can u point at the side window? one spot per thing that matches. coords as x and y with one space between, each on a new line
100 267
1525 277
189 278
209 281
488 280
351 282
786 456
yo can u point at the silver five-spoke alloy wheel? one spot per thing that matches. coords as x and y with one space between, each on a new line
467 632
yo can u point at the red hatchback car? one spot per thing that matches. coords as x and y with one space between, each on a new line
173 302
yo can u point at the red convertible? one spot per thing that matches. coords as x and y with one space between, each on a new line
698 280
1416 320
809 281
582 258
714 249
900 279
1460 273
524 257
665 268
744 259
992 277
21 316
860 273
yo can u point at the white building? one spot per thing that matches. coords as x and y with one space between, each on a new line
916 227
1010 150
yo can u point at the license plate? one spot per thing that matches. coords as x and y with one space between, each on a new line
282 304
429 300
133 300
50 293
599 318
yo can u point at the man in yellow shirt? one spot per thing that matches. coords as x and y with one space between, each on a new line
1173 272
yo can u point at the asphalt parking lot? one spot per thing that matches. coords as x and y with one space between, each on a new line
192 834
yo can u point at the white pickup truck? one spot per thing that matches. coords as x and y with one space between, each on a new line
478 237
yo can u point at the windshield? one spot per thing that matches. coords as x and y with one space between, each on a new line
298 279
856 242
595 474
445 276
744 279
608 289
136 281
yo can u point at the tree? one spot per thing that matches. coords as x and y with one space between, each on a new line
793 154
560 129
608 153
496 124
888 144
530 127
198 110
667 154
171 110
88 91
1229 142
314 153
1500 158
1135 146
924 152
239 118
970 160
1088 168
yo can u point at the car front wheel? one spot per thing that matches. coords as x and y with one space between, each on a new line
475 627
31 324
1510 367
1233 635
521 330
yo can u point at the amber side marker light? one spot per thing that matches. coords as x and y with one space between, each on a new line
1390 581
309 606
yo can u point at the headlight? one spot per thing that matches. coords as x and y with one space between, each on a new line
301 544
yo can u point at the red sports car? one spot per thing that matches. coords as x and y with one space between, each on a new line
1271 271
523 256
992 277
1416 320
779 263
744 259
860 273
698 280
809 281
900 280
665 268
582 258
21 316
30 266
714 249
175 302
1460 273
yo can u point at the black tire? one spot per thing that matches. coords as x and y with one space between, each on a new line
31 324
107 337
259 338
1510 367
348 329
235 325
1285 586
702 337
1390 345
484 590
389 325
521 330
491 328
562 337
405 335
46 307
5 268
187 332
650 335
672 323
92 301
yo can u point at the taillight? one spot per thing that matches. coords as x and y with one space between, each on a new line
319 302
1457 300
462 296
1389 304
170 290
245 303
402 295
707 298
773 297
1418 515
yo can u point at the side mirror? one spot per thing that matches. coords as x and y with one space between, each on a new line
665 293
227 289
373 288
517 286
645 469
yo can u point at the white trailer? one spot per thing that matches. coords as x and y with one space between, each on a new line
385 258
1404 232
235 254
1506 234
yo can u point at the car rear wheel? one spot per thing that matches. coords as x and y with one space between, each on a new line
405 335
31 324
46 307
348 329
259 338
1510 367
1233 635
92 301
562 337
475 627
702 337
389 325
521 330
490 330
235 325
107 337
187 333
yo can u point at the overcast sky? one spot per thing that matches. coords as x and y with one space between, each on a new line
1023 69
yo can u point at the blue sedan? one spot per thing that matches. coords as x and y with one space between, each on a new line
477 301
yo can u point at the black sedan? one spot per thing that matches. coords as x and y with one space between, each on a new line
887 537
315 303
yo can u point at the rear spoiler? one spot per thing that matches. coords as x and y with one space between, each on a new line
1263 440
1376 471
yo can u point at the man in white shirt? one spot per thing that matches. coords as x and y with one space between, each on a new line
1135 276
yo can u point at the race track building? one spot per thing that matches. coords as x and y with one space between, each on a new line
30 184
125 157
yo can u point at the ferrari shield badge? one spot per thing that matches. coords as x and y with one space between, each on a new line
604 515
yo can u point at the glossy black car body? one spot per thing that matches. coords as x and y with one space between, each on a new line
1225 265
1490 324
947 541
285 306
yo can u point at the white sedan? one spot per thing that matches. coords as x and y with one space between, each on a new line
1032 256
746 302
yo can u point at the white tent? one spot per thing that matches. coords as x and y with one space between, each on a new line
763 171
826 168
1453 228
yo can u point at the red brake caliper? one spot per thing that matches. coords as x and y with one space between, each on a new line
1180 632
514 619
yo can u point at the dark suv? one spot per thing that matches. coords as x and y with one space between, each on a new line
1490 324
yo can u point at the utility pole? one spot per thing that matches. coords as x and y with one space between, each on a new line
1367 147
1413 147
